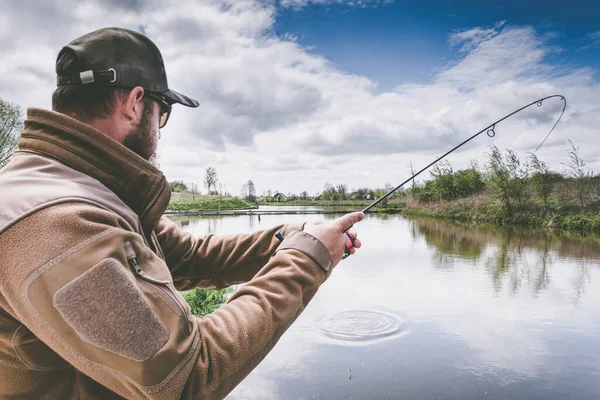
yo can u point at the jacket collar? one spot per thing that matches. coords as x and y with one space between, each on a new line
138 183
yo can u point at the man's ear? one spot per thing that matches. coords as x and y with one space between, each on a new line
133 105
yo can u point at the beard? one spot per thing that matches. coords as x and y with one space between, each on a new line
142 141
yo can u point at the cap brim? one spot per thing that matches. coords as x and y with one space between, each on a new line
177 97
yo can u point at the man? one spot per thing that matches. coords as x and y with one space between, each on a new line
90 270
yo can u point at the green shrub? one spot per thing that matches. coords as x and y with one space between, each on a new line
204 302
449 185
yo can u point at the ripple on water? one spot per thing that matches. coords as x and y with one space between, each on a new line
360 325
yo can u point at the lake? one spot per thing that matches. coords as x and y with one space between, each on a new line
435 310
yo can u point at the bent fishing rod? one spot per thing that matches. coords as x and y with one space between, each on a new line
491 132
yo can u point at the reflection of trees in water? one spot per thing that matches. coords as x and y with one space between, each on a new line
500 263
583 276
180 221
211 225
184 221
507 252
448 241
542 278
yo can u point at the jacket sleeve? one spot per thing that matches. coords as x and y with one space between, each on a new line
106 304
212 261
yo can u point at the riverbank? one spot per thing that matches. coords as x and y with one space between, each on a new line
482 208
211 204
479 208
347 205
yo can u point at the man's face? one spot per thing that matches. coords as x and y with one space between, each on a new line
144 139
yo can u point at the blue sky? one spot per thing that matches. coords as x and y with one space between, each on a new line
298 93
406 41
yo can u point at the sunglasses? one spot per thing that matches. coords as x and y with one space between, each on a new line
165 108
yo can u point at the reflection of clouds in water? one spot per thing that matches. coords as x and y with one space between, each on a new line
262 388
493 316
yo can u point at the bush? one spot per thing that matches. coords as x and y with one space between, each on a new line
449 185
204 302
507 177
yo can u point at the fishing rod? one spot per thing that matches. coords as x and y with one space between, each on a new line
491 132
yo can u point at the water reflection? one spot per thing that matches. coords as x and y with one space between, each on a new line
515 257
484 312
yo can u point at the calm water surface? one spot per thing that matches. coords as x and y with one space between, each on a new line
434 310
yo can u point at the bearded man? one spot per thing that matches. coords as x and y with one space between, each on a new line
90 269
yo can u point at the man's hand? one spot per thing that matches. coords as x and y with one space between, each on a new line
332 234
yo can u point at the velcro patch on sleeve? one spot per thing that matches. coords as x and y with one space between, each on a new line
107 309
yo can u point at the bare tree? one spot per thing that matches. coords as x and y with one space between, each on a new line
193 188
210 178
412 172
11 124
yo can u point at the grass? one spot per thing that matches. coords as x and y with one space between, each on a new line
225 203
483 208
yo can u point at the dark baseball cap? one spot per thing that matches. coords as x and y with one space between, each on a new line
122 58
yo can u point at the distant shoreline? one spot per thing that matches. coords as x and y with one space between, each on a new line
464 210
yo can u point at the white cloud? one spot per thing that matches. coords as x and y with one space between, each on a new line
594 35
470 38
282 115
298 4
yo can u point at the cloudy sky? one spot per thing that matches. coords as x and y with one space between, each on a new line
298 93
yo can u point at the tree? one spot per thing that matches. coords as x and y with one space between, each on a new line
442 185
412 173
542 179
329 193
342 191
577 171
304 195
507 177
499 176
518 174
178 186
251 192
193 187
11 124
210 178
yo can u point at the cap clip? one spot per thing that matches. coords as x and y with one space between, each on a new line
87 77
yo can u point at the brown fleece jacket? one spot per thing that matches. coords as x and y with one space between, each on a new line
89 273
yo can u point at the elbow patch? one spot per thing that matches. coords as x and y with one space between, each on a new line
122 323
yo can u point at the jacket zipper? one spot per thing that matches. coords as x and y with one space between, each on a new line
157 287
155 198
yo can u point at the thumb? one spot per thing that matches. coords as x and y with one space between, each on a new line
345 222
